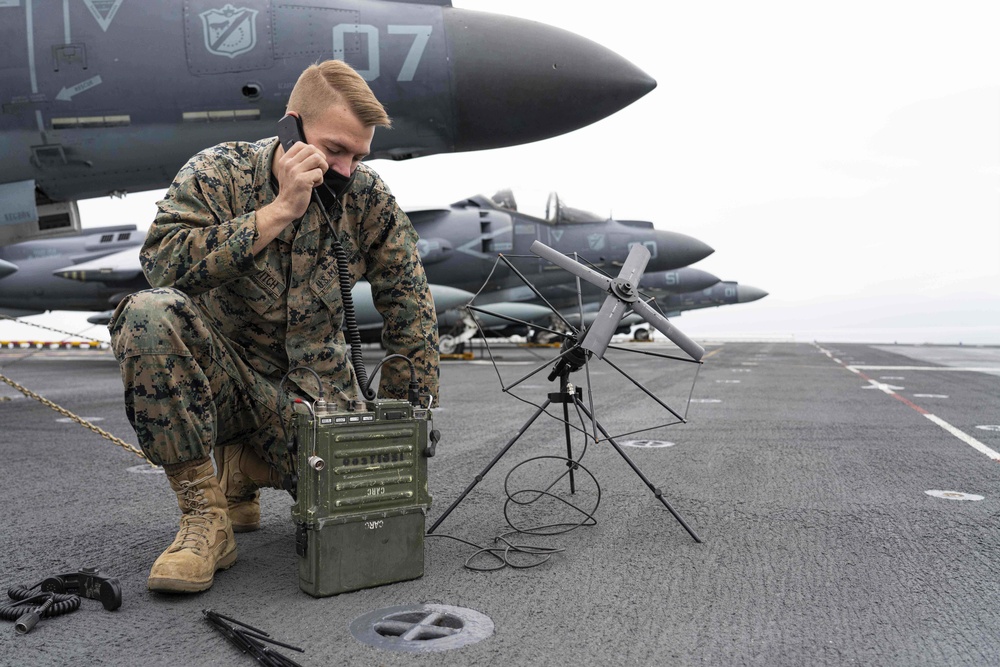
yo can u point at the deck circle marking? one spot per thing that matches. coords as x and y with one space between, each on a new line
953 495
421 628
648 444
989 427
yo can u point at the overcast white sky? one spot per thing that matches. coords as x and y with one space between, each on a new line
843 156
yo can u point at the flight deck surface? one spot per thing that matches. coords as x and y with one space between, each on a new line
846 498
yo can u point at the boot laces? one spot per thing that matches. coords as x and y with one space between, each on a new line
196 522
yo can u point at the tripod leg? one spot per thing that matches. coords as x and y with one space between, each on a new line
492 463
635 468
569 446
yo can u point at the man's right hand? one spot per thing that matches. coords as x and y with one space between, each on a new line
298 171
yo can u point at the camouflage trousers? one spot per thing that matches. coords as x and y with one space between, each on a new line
186 388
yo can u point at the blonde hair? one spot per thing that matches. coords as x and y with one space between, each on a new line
331 82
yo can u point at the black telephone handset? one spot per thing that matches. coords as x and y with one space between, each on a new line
290 131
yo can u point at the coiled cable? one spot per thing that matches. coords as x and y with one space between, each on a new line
344 278
350 320
524 556
31 606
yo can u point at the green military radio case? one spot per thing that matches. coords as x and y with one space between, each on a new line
361 495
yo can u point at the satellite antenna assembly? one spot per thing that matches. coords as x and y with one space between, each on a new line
579 345
623 293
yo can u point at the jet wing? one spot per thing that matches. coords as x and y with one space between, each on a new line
368 318
445 298
6 268
118 268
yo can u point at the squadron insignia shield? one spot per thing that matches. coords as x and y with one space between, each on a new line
230 31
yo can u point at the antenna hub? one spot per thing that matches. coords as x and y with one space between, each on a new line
624 290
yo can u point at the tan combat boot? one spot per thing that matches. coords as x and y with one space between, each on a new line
241 473
205 541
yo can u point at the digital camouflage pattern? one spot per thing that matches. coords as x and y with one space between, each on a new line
223 312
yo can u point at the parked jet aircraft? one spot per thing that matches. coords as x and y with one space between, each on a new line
107 269
106 96
723 293
459 245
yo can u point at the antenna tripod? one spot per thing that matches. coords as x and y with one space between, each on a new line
622 295
567 395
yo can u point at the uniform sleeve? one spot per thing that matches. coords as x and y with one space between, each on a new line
401 294
197 241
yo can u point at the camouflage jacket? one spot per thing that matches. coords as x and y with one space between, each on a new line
282 308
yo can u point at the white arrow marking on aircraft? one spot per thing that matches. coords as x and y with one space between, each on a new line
67 94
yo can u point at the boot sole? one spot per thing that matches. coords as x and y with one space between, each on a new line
166 585
245 527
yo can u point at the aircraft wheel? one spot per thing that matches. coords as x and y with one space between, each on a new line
641 333
446 345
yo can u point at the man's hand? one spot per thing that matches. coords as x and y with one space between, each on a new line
298 171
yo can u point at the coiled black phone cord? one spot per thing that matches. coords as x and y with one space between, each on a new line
350 320
62 603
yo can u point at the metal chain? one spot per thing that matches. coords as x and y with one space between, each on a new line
82 422
63 411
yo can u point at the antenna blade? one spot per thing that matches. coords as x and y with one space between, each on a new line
635 264
571 265
664 326
600 332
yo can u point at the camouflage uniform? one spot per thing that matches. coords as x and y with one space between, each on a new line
203 353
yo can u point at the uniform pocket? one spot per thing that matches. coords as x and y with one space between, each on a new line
260 291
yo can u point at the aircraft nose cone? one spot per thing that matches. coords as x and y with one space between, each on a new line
678 281
674 250
6 268
695 279
746 293
518 81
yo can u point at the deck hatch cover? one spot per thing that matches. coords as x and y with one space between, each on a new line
422 628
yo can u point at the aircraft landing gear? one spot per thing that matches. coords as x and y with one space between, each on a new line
447 345
542 337
455 344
